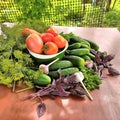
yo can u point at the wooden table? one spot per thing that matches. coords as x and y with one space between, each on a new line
106 103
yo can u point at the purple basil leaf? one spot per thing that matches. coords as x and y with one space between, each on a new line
71 79
41 108
80 90
113 71
60 91
108 58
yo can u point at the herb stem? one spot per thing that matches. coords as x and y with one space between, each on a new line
14 85
22 90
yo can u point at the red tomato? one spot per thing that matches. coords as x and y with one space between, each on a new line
60 41
53 31
47 37
50 48
34 43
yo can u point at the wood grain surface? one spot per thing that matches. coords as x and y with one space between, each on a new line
106 103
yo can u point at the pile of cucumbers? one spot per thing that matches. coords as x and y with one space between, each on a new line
78 52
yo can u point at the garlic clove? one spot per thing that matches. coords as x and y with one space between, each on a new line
44 68
79 76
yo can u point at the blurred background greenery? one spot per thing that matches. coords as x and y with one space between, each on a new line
90 13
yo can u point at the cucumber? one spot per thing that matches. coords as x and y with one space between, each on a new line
93 45
86 57
85 46
74 39
79 39
79 52
43 79
76 60
64 72
85 43
91 55
61 64
74 45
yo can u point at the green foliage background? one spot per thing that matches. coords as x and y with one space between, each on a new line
57 12
112 17
61 12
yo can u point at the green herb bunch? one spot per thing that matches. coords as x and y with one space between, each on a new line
16 64
92 79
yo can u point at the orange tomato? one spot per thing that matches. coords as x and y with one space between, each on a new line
27 31
60 41
47 37
53 31
34 43
50 48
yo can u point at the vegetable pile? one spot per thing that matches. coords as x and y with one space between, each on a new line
78 72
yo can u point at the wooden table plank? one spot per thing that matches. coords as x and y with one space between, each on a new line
106 103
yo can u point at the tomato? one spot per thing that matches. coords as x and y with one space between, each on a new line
60 41
34 43
47 37
50 48
53 31
27 31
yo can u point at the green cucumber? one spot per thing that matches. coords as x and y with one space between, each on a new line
61 64
74 39
64 72
91 55
85 46
43 79
79 52
74 45
79 39
86 57
85 43
76 60
93 45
